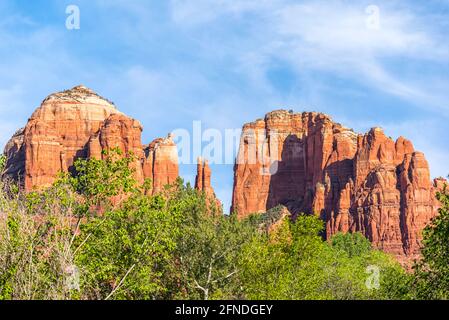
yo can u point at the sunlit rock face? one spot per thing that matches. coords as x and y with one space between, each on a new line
367 183
203 183
78 123
161 162
56 134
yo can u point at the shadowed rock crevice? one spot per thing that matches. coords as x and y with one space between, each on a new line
286 186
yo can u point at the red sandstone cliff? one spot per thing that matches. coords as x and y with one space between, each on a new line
203 183
161 162
78 123
367 183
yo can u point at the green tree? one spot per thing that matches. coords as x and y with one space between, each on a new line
35 240
122 254
285 264
293 262
432 272
205 261
100 180
353 244
126 243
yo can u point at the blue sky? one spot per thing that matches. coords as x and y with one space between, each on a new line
169 63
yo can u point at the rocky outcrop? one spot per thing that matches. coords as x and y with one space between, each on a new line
367 183
55 135
78 123
203 183
161 162
124 133
282 158
440 184
202 180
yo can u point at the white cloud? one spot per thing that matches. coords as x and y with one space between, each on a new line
337 39
316 36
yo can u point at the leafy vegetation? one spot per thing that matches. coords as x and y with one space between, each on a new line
432 272
293 262
99 235
2 162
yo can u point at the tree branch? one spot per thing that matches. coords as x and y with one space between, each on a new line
121 282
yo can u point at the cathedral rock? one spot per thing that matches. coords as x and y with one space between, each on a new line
304 161
78 123
367 183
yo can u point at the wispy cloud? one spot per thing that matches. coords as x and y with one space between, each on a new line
338 39
335 39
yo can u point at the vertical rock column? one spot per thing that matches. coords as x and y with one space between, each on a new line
161 163
203 182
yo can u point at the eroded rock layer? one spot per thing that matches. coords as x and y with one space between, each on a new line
78 123
367 183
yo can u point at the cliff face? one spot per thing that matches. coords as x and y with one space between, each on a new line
282 158
367 183
78 123
122 132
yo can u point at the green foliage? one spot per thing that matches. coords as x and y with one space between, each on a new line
269 218
35 233
123 252
100 180
295 263
207 255
353 244
2 163
432 272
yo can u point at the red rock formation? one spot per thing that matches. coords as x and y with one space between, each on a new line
282 158
440 184
161 162
78 123
366 183
56 134
203 184
124 133
202 180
